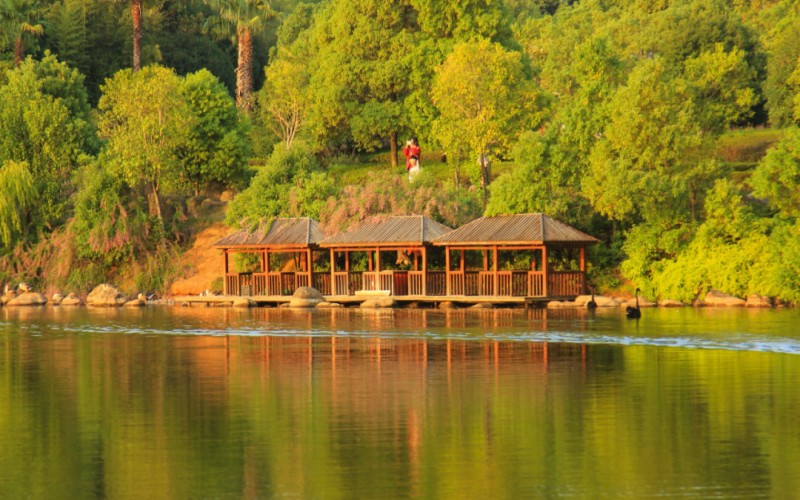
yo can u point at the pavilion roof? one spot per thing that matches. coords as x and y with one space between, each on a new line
517 229
389 230
275 233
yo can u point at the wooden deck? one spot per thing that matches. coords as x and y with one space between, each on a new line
353 300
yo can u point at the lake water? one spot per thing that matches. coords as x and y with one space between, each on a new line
272 403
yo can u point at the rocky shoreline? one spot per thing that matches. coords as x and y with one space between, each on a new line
106 295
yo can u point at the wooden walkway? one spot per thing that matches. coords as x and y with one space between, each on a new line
353 300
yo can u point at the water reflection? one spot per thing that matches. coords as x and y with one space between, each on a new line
342 403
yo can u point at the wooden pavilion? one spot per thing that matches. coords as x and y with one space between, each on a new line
525 255
293 237
506 258
408 237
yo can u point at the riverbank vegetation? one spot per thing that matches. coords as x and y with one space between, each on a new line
667 129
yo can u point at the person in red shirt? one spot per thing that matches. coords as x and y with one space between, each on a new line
412 149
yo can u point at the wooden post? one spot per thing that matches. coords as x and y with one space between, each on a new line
583 269
310 265
544 268
494 266
334 291
425 270
225 271
461 264
447 270
485 259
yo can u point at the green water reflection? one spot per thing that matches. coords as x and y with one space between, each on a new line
218 403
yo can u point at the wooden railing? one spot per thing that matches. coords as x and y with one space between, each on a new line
437 283
464 283
469 283
565 283
416 280
347 284
536 284
322 282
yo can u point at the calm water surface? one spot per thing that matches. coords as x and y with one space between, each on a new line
267 403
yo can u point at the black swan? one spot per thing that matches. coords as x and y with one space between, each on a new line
634 312
591 304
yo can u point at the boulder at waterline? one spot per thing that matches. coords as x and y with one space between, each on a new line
328 305
56 299
756 300
715 298
447 305
72 300
105 295
243 302
556 304
671 303
305 296
28 299
600 300
482 305
642 303
378 303
135 303
8 297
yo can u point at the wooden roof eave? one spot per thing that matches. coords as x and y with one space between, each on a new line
481 244
271 248
368 246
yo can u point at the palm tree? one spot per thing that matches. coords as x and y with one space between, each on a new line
239 20
18 17
136 14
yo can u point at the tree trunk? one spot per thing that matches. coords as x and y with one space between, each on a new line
393 146
244 72
19 51
136 14
156 208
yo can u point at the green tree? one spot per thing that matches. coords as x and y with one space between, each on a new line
46 124
216 148
17 195
239 20
283 101
18 18
144 118
777 176
361 75
289 179
484 99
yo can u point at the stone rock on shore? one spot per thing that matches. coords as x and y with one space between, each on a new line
447 305
642 303
715 298
56 299
671 303
600 300
8 297
243 302
105 295
28 299
328 305
305 296
756 300
378 303
72 300
555 304
137 302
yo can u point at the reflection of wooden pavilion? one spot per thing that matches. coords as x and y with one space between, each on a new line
409 237
297 237
534 238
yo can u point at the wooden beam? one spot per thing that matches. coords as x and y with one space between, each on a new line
225 275
462 265
310 268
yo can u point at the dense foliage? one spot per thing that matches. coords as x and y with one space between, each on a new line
606 114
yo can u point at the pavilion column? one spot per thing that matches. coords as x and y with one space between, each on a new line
494 267
583 269
447 270
424 270
334 291
544 268
309 267
377 269
225 271
268 291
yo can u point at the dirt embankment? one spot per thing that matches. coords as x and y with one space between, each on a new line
203 261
